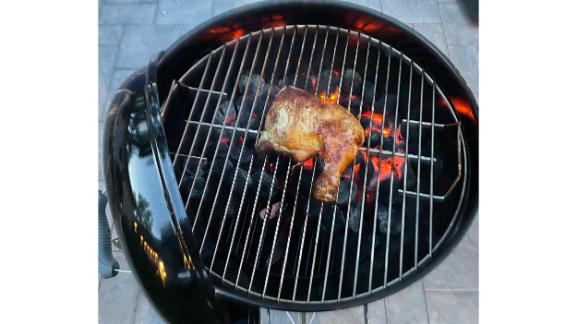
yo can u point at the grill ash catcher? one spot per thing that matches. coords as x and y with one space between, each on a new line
210 227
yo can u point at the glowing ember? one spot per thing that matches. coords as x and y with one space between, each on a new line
463 108
241 139
308 164
225 140
333 98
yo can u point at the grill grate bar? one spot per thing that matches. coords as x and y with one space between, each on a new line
219 142
351 181
367 161
337 193
361 149
401 264
285 184
212 84
418 174
386 259
322 204
265 160
238 162
297 186
274 176
313 170
431 208
389 54
190 115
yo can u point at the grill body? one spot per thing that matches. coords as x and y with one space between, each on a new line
146 201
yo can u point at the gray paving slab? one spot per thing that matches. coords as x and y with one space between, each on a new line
109 34
141 42
460 269
459 29
145 312
372 4
272 316
183 12
127 13
465 58
376 312
407 305
130 1
106 60
354 315
434 32
412 11
452 307
117 296
221 6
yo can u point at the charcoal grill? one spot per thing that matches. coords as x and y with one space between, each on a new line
206 221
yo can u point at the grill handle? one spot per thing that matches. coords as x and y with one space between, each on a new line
107 265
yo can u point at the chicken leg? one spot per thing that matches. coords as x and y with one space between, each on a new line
299 125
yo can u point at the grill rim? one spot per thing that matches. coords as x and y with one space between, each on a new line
468 210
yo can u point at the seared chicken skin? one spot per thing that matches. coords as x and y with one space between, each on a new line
299 125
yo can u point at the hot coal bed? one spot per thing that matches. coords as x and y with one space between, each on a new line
257 227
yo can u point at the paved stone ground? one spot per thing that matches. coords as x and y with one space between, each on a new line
133 30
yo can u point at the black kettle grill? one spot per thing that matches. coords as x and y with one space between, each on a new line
210 227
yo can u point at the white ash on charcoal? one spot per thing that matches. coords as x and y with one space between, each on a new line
268 185
225 113
351 80
252 84
270 213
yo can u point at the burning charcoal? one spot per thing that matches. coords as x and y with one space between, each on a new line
344 191
241 178
249 85
225 113
382 218
354 218
364 167
235 155
266 183
350 76
220 165
328 76
222 151
328 215
369 93
198 189
250 109
270 213
277 254
191 166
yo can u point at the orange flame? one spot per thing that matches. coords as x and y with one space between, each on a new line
333 98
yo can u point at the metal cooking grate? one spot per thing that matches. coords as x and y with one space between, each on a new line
259 230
